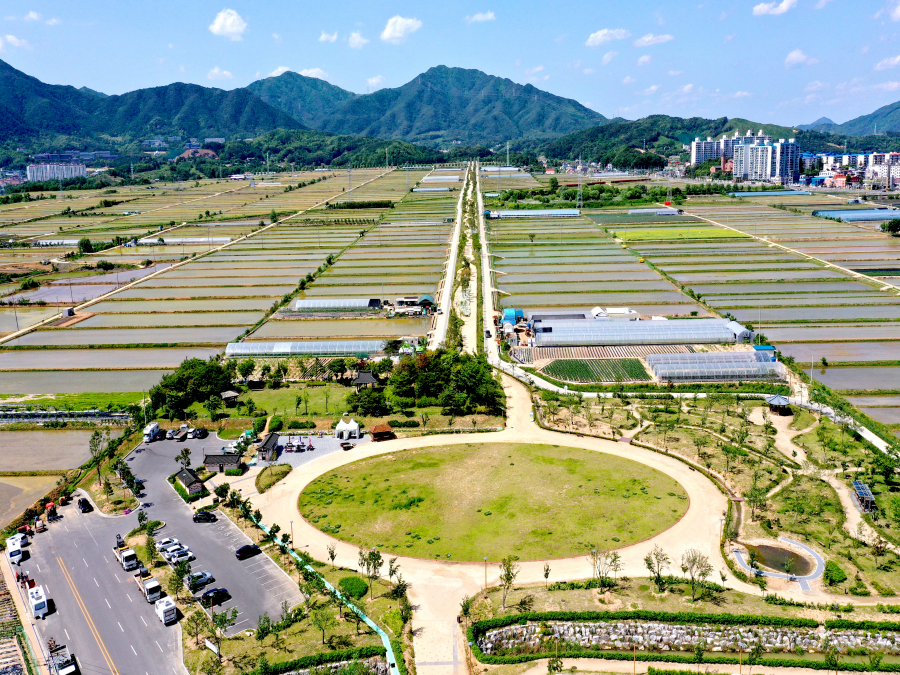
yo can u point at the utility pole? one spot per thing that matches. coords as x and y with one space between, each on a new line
349 181
579 202
507 153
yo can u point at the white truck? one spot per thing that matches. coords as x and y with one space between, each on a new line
149 587
61 662
37 601
151 431
126 556
166 611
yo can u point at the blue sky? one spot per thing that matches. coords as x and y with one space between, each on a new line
785 61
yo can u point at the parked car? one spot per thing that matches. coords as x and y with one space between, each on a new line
170 434
487 333
247 551
198 579
181 556
192 433
164 543
174 549
84 505
214 596
201 433
204 517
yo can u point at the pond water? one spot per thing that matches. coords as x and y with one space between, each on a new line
221 292
585 287
194 282
843 351
109 320
883 415
12 319
370 291
773 275
55 382
817 313
70 359
761 288
858 378
234 304
46 450
614 298
126 336
800 299
776 558
578 276
836 332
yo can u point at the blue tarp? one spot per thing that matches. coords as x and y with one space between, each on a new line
855 215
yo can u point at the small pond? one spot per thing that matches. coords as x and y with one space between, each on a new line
775 558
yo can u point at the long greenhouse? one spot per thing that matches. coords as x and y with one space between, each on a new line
304 348
716 366
562 333
335 304
858 215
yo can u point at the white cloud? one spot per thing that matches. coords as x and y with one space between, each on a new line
17 42
650 90
644 60
773 7
674 73
218 74
606 35
398 28
588 71
686 89
891 62
328 37
532 71
180 69
815 85
821 3
608 56
280 70
728 38
628 80
276 37
356 40
651 39
228 23
798 58
32 16
888 86
53 22
742 94
318 73
480 17
375 82
895 13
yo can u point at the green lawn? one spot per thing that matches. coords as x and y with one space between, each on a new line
271 475
539 502
642 234
85 401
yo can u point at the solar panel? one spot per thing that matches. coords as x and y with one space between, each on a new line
862 490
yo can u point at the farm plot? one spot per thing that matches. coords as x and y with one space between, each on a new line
597 370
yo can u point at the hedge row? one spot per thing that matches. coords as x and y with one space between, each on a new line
315 660
398 654
847 624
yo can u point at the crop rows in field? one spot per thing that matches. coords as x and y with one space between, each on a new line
596 370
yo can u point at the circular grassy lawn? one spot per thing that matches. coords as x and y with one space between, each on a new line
464 502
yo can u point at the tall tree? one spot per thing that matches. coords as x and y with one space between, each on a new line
509 570
697 567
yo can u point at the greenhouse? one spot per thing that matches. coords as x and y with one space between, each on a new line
362 348
537 213
335 304
432 189
709 357
712 372
554 333
858 215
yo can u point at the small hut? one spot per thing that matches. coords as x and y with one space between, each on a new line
779 405
382 432
363 379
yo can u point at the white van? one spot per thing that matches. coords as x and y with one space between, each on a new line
38 602
14 551
150 432
19 540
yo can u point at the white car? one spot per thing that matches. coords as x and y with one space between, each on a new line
165 543
173 550
181 556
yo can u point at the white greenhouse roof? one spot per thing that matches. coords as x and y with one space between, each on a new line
678 331
538 213
310 304
718 371
303 348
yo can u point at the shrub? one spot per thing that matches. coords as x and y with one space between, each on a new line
833 573
427 402
403 424
236 472
304 424
276 424
353 587
259 424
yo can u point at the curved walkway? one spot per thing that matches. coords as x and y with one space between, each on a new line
437 587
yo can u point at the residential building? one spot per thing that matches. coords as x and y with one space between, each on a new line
703 151
767 161
42 172
214 140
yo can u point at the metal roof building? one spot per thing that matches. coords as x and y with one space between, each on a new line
554 333
432 189
541 213
717 371
441 179
335 304
710 357
858 215
767 193
304 348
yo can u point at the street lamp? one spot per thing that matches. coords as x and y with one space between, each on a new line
292 534
485 576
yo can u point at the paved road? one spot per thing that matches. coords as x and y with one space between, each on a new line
99 612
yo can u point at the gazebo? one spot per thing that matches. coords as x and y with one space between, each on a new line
779 404
346 430
364 378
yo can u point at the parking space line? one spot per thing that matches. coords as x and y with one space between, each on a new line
132 649
129 598
142 619
120 627
85 562
75 544
95 581
67 635
157 644
38 566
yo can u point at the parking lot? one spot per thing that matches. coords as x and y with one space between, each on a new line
97 609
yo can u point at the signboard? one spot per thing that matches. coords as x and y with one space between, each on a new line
211 647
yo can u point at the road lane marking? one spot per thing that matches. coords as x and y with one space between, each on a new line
132 649
85 562
157 644
67 635
122 629
107 603
142 619
87 617
95 581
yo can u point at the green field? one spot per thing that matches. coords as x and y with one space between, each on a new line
540 502
654 234
596 370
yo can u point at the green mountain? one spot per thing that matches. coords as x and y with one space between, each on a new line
438 107
886 118
308 100
29 108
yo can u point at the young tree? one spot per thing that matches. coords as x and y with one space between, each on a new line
332 553
393 568
222 622
184 458
222 491
213 406
196 624
546 575
465 608
879 549
150 552
211 666
615 563
323 619
142 519
509 570
697 567
373 569
107 489
245 368
657 562
96 448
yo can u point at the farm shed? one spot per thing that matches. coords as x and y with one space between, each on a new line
335 304
554 333
304 348
229 398
858 215
382 432
712 367
655 212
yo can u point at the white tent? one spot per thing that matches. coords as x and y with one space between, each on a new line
346 430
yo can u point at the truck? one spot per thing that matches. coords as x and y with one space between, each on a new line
126 556
149 587
166 610
61 662
181 435
151 431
